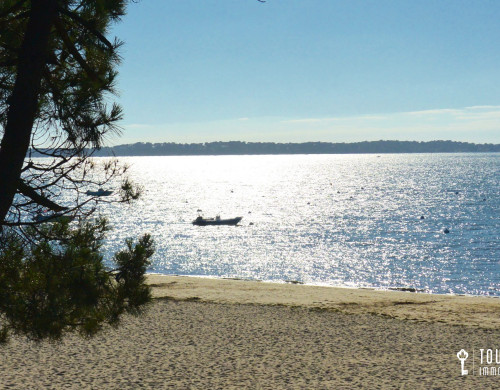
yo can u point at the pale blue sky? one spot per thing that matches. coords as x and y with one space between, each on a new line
310 70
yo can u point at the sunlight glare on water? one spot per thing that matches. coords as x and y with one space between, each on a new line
348 220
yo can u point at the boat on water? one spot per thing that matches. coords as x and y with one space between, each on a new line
57 217
200 221
100 192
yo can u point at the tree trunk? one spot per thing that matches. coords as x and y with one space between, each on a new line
23 102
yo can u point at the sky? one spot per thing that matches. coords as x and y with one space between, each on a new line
309 70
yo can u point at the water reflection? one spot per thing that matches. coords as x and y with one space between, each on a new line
325 219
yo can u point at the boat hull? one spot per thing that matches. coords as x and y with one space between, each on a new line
99 193
214 222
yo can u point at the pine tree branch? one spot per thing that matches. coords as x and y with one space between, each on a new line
75 53
87 25
29 192
12 9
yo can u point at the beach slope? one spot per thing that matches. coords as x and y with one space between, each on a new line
232 334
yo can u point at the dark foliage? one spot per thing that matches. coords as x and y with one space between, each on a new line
57 78
59 283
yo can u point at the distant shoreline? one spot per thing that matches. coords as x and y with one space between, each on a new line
271 148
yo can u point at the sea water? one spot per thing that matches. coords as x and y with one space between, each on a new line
341 220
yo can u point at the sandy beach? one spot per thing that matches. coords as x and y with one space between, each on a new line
231 334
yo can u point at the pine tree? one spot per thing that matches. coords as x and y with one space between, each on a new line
57 79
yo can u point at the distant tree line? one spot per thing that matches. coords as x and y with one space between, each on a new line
255 148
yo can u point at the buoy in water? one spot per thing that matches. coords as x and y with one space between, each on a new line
446 231
422 217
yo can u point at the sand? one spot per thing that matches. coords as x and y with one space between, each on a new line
230 334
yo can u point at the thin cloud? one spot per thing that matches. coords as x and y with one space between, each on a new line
433 112
475 123
467 113
483 108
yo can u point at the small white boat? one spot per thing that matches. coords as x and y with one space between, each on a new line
99 192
